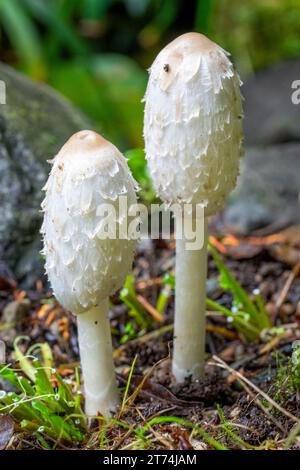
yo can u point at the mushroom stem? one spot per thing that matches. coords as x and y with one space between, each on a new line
189 325
95 345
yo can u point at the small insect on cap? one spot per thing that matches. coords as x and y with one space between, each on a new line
192 124
87 178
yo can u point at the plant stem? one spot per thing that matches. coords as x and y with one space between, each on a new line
101 393
190 296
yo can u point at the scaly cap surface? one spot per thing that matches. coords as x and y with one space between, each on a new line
82 268
193 123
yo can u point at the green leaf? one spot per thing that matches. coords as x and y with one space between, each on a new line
19 409
23 35
162 300
228 282
20 382
66 430
62 429
125 83
239 322
25 364
136 310
138 165
203 16
169 280
248 317
95 9
43 384
50 18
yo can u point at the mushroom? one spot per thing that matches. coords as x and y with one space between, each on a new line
85 266
193 141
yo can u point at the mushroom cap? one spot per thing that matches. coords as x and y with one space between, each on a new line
82 267
193 123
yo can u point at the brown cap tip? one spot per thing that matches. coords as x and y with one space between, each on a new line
193 42
84 141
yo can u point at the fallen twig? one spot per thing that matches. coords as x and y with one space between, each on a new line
221 363
293 275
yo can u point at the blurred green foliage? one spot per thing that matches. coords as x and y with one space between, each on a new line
258 33
96 51
137 162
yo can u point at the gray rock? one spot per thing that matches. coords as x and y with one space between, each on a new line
34 124
268 190
270 115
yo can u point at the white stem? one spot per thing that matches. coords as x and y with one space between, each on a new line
190 295
95 345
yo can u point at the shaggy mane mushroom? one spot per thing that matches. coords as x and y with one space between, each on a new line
84 267
193 141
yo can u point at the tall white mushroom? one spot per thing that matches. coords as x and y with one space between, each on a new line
193 140
84 267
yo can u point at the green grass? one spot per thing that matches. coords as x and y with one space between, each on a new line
248 316
44 405
47 408
128 295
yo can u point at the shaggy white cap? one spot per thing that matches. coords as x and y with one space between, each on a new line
193 123
82 268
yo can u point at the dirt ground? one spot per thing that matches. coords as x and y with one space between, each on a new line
241 378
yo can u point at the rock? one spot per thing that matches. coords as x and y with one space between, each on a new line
34 124
267 193
270 115
15 311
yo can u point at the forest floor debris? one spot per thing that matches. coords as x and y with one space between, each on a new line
247 399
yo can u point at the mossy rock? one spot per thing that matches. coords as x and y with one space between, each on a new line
34 124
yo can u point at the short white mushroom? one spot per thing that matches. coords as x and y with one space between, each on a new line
84 267
193 139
